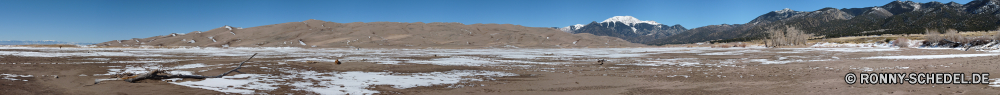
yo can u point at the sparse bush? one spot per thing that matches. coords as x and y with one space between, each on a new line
951 38
996 36
901 42
932 35
789 36
721 46
952 35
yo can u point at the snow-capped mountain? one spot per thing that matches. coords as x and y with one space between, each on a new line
628 20
626 27
571 28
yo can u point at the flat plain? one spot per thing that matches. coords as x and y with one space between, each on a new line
501 71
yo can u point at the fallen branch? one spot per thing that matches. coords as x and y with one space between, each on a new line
158 74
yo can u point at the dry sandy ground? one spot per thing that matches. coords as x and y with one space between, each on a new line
633 71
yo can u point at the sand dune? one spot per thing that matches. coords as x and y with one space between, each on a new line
316 33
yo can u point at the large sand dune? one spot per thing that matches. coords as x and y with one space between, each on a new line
316 33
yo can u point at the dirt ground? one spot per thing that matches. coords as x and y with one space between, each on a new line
715 74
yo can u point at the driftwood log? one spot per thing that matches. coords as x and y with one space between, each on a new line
159 74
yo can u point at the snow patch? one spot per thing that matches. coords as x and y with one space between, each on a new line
98 59
213 39
337 83
634 30
189 66
660 62
571 28
628 20
854 45
578 26
784 10
458 60
765 61
732 52
995 83
13 77
929 56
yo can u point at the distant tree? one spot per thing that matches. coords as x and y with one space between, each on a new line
790 36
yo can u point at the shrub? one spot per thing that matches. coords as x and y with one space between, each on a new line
951 38
932 35
996 36
901 42
952 35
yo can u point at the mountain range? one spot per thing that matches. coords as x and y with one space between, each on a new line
628 28
896 17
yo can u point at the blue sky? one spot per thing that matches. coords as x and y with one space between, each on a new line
105 20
